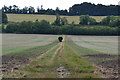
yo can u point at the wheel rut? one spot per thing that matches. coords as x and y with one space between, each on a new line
62 72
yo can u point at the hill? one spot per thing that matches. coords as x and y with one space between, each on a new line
50 18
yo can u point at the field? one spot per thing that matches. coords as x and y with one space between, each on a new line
42 56
50 18
104 44
13 43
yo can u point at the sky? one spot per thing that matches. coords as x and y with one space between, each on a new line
62 4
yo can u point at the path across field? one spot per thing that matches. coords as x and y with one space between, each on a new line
66 60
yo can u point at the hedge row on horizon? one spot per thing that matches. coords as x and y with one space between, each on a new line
44 27
87 26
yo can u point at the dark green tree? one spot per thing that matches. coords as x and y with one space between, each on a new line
31 10
92 21
41 27
25 10
64 21
84 19
2 28
93 10
106 21
87 20
10 9
115 23
57 21
4 18
11 28
25 27
111 21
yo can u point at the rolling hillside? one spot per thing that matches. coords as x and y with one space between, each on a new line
50 18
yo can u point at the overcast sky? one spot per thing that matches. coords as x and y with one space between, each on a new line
62 4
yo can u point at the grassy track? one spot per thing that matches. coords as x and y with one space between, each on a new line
61 61
50 18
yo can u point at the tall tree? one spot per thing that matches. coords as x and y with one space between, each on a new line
15 9
10 9
31 10
4 18
57 21
25 10
87 20
64 21
84 19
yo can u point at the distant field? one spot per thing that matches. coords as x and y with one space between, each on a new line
50 18
105 44
15 43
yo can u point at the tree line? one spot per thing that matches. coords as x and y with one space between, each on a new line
87 26
113 21
77 9
94 10
31 10
43 27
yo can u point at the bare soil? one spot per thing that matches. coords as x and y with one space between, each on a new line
62 72
12 62
105 64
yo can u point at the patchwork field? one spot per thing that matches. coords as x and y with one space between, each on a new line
50 18
42 56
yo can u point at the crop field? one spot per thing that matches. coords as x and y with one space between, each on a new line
43 56
50 18
14 43
105 44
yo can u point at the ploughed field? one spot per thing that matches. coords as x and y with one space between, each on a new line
42 56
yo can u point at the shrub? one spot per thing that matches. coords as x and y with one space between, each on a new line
25 27
12 28
111 21
86 20
41 27
115 23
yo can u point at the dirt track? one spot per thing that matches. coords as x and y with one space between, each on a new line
62 71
